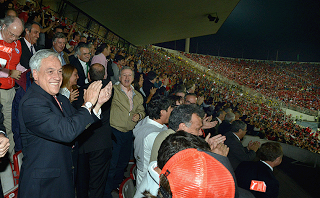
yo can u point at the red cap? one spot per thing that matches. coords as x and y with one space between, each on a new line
195 174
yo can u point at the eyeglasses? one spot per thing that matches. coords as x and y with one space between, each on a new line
13 35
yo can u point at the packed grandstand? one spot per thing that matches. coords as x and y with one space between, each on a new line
258 90
291 84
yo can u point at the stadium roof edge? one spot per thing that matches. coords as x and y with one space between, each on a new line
147 22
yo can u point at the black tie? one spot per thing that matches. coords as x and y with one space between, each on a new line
31 49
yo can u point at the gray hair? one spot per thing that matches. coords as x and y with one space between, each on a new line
183 114
237 125
58 35
126 67
36 59
77 49
229 117
8 20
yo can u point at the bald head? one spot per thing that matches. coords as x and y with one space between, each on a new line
12 28
96 72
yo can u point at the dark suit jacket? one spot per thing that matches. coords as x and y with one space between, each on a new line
147 85
46 132
237 153
239 192
224 127
2 128
213 131
82 77
98 135
26 54
248 171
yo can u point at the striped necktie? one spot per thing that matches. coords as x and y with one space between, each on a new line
55 97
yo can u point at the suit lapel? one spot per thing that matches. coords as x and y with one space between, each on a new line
38 89
26 49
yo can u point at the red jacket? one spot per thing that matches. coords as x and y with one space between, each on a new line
12 53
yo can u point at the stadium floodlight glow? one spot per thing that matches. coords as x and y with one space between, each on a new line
213 17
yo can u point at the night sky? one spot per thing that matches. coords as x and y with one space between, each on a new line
257 29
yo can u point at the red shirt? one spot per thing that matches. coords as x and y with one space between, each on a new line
12 53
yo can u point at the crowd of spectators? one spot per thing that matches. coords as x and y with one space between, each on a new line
264 117
158 72
296 84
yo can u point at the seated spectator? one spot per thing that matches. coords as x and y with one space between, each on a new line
225 126
159 110
250 175
178 99
189 119
138 86
69 86
148 84
11 12
190 87
190 98
220 117
172 144
180 90
238 153
83 39
186 174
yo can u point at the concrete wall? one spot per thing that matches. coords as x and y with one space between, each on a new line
293 113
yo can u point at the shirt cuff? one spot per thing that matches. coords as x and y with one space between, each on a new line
5 134
97 114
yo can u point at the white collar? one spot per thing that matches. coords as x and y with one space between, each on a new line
27 42
267 164
236 136
82 62
157 124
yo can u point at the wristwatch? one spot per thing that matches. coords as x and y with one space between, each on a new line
88 105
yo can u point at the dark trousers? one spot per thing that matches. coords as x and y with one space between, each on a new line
1 192
92 174
122 147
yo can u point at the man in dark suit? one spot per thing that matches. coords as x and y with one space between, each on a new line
214 130
95 144
250 175
81 60
225 126
237 152
4 142
32 31
49 124
148 84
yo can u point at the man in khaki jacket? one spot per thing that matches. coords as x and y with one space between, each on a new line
126 110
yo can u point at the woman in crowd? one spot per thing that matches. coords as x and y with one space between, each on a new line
69 86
